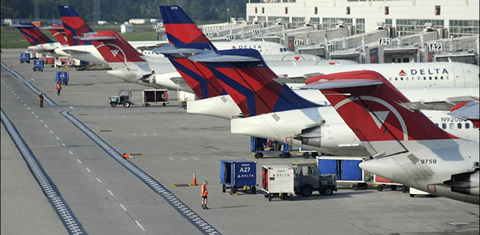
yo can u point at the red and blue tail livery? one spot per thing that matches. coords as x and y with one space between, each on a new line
370 105
181 29
249 81
58 32
74 25
113 47
33 35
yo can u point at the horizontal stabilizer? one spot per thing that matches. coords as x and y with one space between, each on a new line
97 38
468 110
170 49
56 27
344 83
212 57
30 26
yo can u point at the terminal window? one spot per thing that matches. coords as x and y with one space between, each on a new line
460 28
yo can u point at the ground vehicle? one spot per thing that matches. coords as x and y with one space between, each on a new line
278 181
24 58
346 169
260 146
308 179
62 77
238 174
384 182
155 96
37 65
307 153
124 97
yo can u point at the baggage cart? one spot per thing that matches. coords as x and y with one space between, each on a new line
24 58
155 96
124 98
238 174
62 77
346 169
382 183
260 146
278 181
38 65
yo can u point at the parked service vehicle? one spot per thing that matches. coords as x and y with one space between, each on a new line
62 77
24 58
155 96
308 179
38 65
382 183
261 146
124 98
238 174
346 169
278 181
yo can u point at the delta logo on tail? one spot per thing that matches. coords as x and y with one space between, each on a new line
33 35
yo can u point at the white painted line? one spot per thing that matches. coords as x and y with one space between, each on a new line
78 160
36 116
21 101
63 145
98 180
110 192
71 107
144 134
134 134
139 225
45 125
154 134
123 116
57 138
106 116
51 132
28 108
85 103
121 205
32 112
70 152
25 105
195 158
41 120
89 171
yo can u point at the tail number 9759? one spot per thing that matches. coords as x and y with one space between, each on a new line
428 161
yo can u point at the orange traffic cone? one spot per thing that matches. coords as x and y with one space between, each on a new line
194 179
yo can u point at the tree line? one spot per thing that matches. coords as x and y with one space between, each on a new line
201 11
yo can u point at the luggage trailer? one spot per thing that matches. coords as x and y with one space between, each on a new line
346 169
278 181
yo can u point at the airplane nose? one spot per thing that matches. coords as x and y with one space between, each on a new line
385 167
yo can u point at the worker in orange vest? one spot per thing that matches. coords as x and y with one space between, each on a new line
126 156
40 97
204 193
59 88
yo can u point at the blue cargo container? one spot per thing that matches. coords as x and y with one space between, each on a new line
346 169
62 76
37 65
24 58
238 174
260 146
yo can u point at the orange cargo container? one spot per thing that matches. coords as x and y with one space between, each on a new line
38 23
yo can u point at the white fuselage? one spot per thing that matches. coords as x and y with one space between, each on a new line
429 164
334 136
45 47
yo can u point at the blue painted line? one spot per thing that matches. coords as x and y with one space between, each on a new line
151 182
30 86
60 206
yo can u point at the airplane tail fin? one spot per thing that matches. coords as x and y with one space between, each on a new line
74 25
33 35
370 105
181 29
249 81
113 47
58 32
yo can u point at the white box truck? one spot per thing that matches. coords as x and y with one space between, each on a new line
278 181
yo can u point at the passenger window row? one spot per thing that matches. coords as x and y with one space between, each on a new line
418 78
452 125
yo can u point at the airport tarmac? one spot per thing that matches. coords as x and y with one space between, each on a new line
169 144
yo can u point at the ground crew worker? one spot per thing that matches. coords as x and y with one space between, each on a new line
40 97
204 194
59 88
126 156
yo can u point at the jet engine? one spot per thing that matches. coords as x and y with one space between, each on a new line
465 183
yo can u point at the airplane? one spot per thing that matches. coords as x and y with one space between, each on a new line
76 27
406 146
275 112
38 40
58 32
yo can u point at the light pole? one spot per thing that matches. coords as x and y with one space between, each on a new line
228 15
